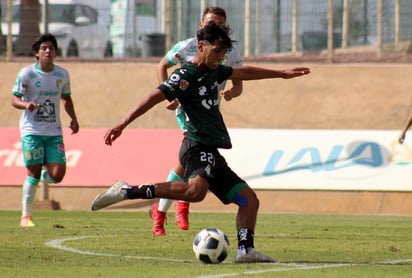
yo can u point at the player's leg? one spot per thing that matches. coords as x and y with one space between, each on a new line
230 188
175 174
248 204
55 160
194 190
33 149
29 190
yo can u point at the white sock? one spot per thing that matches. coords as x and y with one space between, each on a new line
46 178
28 194
164 204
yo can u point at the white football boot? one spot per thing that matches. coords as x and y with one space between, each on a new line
116 193
252 256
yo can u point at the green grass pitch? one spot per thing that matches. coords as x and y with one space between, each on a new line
120 244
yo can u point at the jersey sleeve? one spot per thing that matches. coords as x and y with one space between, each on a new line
223 73
66 90
175 85
235 60
20 86
176 54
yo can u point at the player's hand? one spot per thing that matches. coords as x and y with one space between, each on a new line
30 106
226 94
112 134
295 72
74 126
172 105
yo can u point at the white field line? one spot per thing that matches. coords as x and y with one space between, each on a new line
284 267
59 244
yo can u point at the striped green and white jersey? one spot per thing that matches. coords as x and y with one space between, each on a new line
46 89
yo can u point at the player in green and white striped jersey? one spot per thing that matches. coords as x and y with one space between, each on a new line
38 91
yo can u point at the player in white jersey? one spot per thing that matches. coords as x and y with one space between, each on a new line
181 53
39 90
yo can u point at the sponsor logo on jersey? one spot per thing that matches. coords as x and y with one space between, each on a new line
202 90
183 85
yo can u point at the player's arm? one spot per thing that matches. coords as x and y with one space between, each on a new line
19 103
155 97
162 75
69 107
255 73
234 61
406 126
234 91
161 70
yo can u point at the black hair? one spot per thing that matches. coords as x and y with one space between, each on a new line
216 34
214 10
44 38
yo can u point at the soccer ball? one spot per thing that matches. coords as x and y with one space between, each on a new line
211 246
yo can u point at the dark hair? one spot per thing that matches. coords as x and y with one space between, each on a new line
44 38
216 34
214 10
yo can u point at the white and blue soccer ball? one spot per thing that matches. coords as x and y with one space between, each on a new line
211 246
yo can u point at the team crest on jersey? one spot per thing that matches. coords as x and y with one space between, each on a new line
28 155
183 84
59 83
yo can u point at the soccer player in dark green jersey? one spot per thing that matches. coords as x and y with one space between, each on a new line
195 86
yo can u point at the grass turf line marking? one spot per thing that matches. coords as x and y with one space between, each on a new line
283 267
59 244
300 266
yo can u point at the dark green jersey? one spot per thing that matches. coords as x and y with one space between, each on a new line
197 92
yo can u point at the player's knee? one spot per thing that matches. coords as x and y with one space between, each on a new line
55 173
197 196
196 192
246 197
55 179
254 200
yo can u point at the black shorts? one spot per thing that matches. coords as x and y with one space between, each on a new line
206 161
